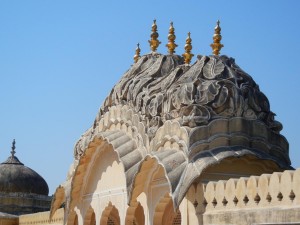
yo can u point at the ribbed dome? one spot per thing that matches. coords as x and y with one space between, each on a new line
15 177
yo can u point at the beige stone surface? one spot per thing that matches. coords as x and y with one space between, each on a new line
43 218
276 215
8 219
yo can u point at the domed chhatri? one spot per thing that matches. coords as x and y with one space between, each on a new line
15 177
18 182
212 109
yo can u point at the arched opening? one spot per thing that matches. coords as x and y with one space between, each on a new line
99 163
151 178
72 219
236 167
110 216
76 220
135 214
89 218
165 214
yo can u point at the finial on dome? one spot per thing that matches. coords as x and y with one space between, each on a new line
13 147
171 37
216 45
137 53
188 47
154 42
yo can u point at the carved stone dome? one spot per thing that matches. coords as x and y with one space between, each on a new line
190 118
162 87
15 177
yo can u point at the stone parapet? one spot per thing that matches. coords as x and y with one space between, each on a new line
267 190
269 197
43 218
264 216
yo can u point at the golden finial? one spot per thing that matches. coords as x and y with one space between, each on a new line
171 37
154 42
216 45
137 53
188 47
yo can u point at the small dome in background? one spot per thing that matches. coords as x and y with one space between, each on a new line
15 177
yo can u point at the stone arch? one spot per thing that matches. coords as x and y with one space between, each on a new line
72 218
104 164
90 217
135 214
164 213
119 142
110 216
236 167
58 200
214 158
149 169
171 163
150 185
75 220
170 136
124 118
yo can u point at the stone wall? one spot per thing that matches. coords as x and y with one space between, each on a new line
8 219
266 199
23 203
43 218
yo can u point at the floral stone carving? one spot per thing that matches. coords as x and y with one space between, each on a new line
162 87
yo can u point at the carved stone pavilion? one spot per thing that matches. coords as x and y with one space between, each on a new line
179 143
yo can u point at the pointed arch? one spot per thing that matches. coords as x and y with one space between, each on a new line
214 157
58 200
90 218
72 219
170 162
135 214
127 153
165 213
110 215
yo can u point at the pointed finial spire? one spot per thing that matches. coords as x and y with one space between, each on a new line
154 42
13 147
216 45
188 47
137 53
171 37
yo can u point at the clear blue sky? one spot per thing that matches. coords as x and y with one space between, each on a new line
60 59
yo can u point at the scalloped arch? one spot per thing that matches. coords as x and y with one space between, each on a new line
125 147
171 132
125 119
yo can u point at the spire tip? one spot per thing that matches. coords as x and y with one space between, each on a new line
188 55
154 42
13 147
137 53
171 37
216 45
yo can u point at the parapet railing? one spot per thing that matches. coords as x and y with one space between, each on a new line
267 190
42 218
